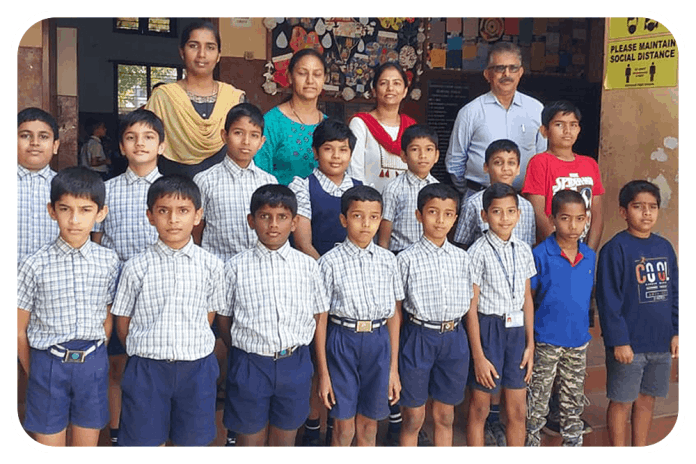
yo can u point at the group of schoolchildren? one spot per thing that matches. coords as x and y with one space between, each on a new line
328 288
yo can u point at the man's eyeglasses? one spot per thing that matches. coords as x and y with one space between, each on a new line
500 69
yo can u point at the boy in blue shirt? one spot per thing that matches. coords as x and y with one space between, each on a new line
274 295
64 291
638 303
434 351
357 343
500 323
165 304
561 289
126 229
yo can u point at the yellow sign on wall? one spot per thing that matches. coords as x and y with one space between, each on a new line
641 53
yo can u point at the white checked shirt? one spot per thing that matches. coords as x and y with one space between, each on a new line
485 270
400 198
364 284
168 294
126 228
272 296
300 187
67 291
35 227
471 225
226 191
436 280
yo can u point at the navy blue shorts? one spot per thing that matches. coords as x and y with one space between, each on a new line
60 393
164 400
115 347
432 364
262 391
504 348
359 368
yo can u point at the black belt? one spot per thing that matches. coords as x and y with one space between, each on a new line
471 185
357 326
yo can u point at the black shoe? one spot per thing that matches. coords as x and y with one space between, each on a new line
423 439
392 437
554 428
231 439
311 438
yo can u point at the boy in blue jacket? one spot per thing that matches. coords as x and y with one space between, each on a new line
638 303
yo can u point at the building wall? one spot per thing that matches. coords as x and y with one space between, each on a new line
639 139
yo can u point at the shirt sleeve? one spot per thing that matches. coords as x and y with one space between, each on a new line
476 265
610 295
300 187
230 272
467 227
674 280
114 275
321 297
327 280
127 292
597 187
457 156
217 286
389 201
535 177
26 286
535 282
398 284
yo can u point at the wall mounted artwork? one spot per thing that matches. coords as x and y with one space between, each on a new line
352 48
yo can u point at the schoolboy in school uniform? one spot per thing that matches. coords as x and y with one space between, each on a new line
165 304
318 225
502 164
638 302
319 194
500 322
434 351
561 289
37 142
357 342
126 229
399 227
226 188
64 291
274 295
560 168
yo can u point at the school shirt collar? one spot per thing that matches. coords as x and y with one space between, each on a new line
44 172
328 185
354 249
430 247
131 177
187 250
498 242
263 252
236 170
554 249
415 180
63 248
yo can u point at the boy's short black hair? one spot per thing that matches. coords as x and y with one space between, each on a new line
564 197
561 106
496 191
37 114
273 195
174 185
79 182
502 145
417 131
241 110
629 191
359 193
330 130
437 190
146 117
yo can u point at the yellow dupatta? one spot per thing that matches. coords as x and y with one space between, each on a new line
189 139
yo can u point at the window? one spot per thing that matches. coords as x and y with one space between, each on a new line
134 83
146 26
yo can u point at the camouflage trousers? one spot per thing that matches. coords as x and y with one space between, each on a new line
570 364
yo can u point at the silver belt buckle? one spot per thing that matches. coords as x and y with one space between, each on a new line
74 356
363 326
447 326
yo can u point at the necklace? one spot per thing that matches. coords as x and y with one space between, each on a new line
292 108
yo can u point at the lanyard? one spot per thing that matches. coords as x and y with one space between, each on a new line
500 261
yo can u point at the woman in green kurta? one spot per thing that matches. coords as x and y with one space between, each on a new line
289 126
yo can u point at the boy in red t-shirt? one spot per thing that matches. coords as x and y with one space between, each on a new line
559 168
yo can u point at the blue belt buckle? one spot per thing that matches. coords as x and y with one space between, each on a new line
74 356
282 354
